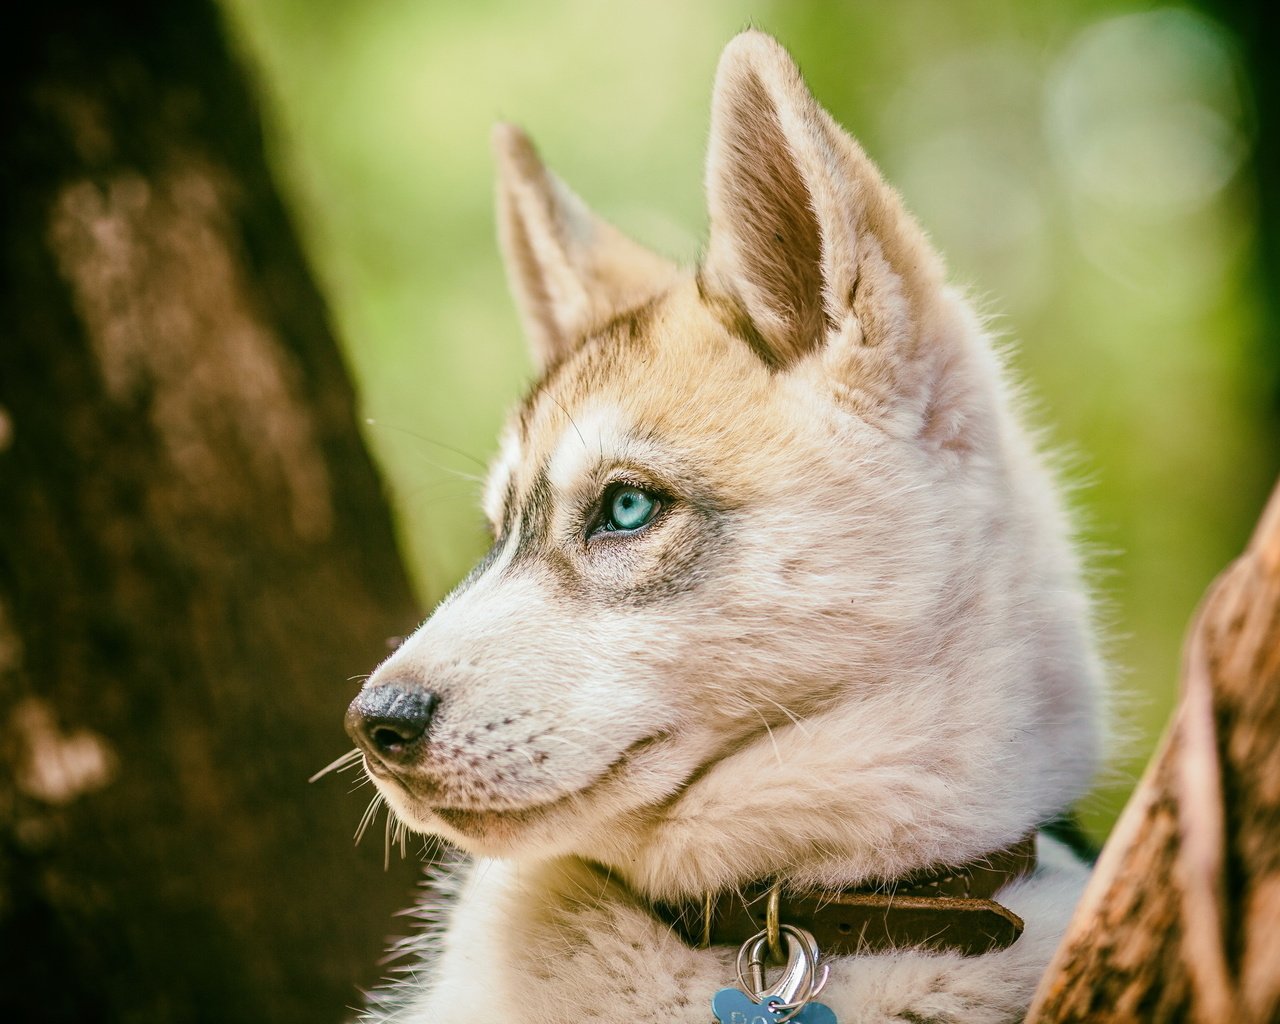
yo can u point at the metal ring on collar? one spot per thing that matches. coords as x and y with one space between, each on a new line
799 982
771 925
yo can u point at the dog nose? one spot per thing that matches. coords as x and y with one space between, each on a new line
387 721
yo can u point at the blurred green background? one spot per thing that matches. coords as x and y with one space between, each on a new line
1085 167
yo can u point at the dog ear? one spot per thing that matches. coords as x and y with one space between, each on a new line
569 269
805 235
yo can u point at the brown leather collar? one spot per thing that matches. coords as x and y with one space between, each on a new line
946 909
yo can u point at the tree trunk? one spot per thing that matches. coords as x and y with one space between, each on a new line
1181 920
195 552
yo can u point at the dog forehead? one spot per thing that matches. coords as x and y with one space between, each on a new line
663 371
669 385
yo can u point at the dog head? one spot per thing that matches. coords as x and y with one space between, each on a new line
777 583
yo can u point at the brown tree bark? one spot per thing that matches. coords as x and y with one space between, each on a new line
195 552
1181 920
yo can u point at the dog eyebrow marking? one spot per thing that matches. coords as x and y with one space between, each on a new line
601 350
589 438
535 515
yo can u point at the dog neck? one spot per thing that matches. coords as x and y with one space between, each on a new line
945 909
883 821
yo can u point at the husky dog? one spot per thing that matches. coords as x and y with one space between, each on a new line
779 590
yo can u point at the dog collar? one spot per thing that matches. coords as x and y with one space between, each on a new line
944 909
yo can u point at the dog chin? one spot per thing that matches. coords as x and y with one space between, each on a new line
507 834
557 826
551 829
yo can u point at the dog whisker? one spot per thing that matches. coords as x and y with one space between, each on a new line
767 728
528 755
388 824
366 819
422 437
571 420
338 764
795 720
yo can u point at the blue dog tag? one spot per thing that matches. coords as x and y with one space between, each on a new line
733 1006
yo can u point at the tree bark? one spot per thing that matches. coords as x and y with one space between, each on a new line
1181 921
195 551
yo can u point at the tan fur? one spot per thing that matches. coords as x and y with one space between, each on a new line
854 643
568 268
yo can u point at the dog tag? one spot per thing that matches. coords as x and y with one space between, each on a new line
790 999
733 1006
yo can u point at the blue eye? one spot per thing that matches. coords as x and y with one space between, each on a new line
630 508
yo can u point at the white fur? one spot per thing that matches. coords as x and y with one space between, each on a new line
559 941
858 627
